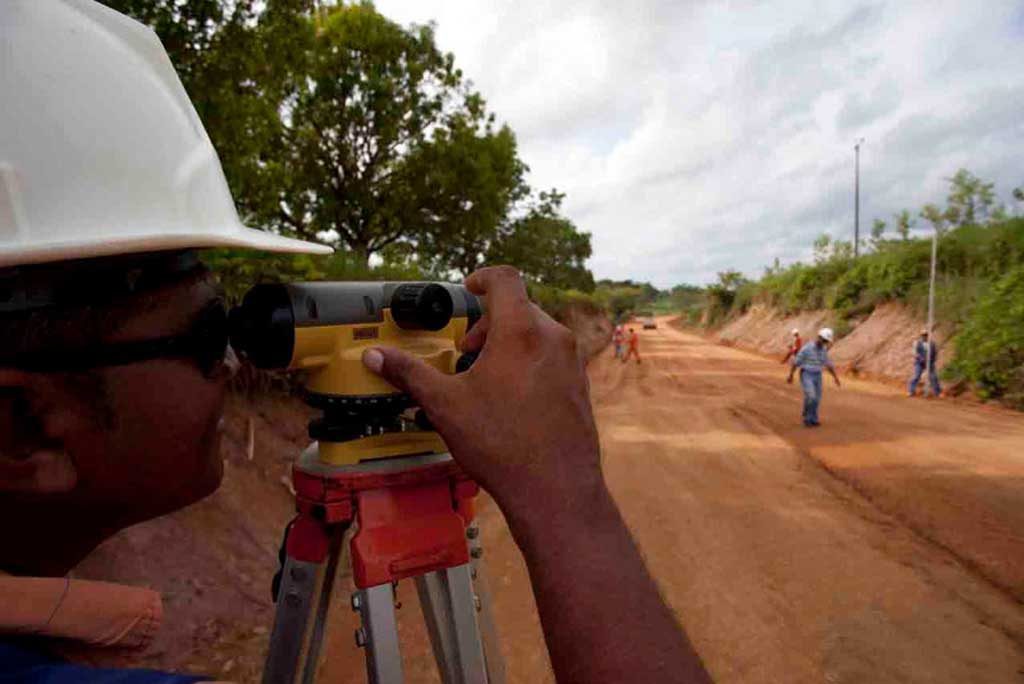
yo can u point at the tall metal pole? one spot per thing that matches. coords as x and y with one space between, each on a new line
856 198
931 316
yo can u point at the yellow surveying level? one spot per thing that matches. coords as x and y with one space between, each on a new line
324 328
375 469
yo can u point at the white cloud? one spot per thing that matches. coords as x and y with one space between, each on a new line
692 137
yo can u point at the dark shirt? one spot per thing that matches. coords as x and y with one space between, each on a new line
20 663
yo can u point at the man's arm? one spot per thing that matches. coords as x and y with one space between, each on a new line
797 359
521 424
832 371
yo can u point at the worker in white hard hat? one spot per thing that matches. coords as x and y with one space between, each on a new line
811 360
794 345
114 360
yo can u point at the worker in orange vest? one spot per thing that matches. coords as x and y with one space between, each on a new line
634 347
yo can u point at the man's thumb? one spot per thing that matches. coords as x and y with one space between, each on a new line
407 373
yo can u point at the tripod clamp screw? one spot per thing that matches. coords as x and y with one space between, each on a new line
360 637
357 604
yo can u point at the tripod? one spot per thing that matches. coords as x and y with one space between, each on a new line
413 510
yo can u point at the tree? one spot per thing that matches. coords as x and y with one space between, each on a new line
1018 195
935 216
545 246
470 177
970 199
373 96
619 300
904 224
237 60
822 246
877 231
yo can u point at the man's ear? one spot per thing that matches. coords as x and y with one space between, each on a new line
31 461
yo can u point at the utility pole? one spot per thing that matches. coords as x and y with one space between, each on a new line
856 197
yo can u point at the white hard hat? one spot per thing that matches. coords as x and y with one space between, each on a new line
826 334
101 151
795 331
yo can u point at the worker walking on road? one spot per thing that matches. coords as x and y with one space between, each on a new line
811 359
618 338
794 345
922 347
634 347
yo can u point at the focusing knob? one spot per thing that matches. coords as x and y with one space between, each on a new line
417 306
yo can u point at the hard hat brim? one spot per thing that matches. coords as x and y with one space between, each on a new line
237 237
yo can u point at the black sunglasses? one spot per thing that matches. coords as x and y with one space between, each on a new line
205 343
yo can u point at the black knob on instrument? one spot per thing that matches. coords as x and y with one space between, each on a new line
417 306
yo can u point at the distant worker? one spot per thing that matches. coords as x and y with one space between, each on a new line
634 347
618 339
922 345
811 359
794 345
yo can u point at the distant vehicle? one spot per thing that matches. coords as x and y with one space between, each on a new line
649 323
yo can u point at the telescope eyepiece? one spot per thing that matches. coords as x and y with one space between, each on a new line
421 306
263 326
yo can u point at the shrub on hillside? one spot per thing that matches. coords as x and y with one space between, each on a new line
990 345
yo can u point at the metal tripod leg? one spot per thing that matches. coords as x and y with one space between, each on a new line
379 634
302 604
449 609
485 609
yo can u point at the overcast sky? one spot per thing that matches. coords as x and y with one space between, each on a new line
692 137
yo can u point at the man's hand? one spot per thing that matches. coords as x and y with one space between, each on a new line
519 421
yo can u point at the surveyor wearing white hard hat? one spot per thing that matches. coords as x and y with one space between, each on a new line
114 361
811 359
794 345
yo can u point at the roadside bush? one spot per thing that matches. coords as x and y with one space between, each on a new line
990 344
557 302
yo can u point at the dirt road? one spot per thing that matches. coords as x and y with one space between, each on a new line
885 546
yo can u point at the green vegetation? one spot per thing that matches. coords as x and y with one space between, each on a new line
979 285
990 344
334 123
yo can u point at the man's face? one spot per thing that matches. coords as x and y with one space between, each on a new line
142 439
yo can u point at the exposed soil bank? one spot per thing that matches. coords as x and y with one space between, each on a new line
879 346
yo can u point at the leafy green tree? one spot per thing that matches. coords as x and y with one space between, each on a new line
822 247
877 232
470 177
619 300
371 93
935 216
970 199
877 229
237 60
545 246
904 224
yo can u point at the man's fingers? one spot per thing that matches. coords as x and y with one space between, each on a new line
477 335
425 384
502 288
